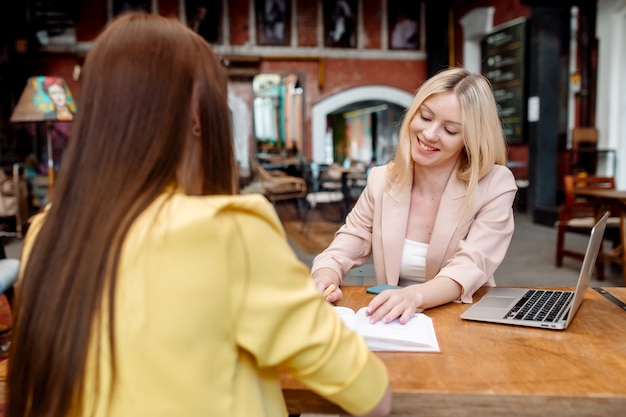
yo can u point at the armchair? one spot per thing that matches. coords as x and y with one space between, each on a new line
281 187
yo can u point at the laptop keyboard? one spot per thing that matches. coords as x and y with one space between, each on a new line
540 305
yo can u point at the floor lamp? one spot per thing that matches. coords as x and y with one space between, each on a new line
48 100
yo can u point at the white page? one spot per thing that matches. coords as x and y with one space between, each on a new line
346 314
417 335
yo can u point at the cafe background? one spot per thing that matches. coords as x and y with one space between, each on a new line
328 81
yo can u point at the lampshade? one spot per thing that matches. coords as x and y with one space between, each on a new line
44 98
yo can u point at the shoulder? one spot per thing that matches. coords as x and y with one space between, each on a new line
246 209
378 177
499 177
498 180
34 226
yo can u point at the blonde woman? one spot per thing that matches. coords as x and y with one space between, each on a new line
438 219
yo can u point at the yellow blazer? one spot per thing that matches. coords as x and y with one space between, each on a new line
467 252
210 301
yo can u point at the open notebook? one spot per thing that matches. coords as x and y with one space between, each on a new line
417 335
539 307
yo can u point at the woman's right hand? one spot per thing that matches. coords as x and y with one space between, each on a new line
323 279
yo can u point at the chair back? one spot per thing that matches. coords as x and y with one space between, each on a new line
584 135
580 207
262 174
279 186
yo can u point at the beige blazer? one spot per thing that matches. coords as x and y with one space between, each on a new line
468 252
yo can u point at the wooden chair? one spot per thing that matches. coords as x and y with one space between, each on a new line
578 215
584 135
583 157
280 186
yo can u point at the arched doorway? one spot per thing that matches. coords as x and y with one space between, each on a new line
345 101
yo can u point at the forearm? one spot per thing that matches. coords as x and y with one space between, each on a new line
436 292
402 303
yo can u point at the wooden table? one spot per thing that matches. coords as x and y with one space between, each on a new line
615 199
501 370
498 370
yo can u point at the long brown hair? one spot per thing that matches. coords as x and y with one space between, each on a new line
142 80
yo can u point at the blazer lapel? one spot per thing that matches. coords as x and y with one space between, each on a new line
395 217
446 223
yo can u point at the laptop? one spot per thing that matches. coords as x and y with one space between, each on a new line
539 307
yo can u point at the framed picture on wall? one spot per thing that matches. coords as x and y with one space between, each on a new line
340 23
273 22
404 24
123 6
205 17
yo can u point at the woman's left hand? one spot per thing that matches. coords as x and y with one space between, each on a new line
392 304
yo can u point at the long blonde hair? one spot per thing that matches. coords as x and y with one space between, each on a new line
483 138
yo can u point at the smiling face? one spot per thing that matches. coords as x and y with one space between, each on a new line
436 131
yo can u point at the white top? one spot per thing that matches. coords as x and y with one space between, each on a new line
413 266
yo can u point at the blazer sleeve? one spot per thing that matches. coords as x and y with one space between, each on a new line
477 256
282 320
352 245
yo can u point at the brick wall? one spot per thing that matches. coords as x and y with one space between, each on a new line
307 23
372 24
322 71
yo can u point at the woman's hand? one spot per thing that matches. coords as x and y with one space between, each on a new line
403 303
327 283
392 304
